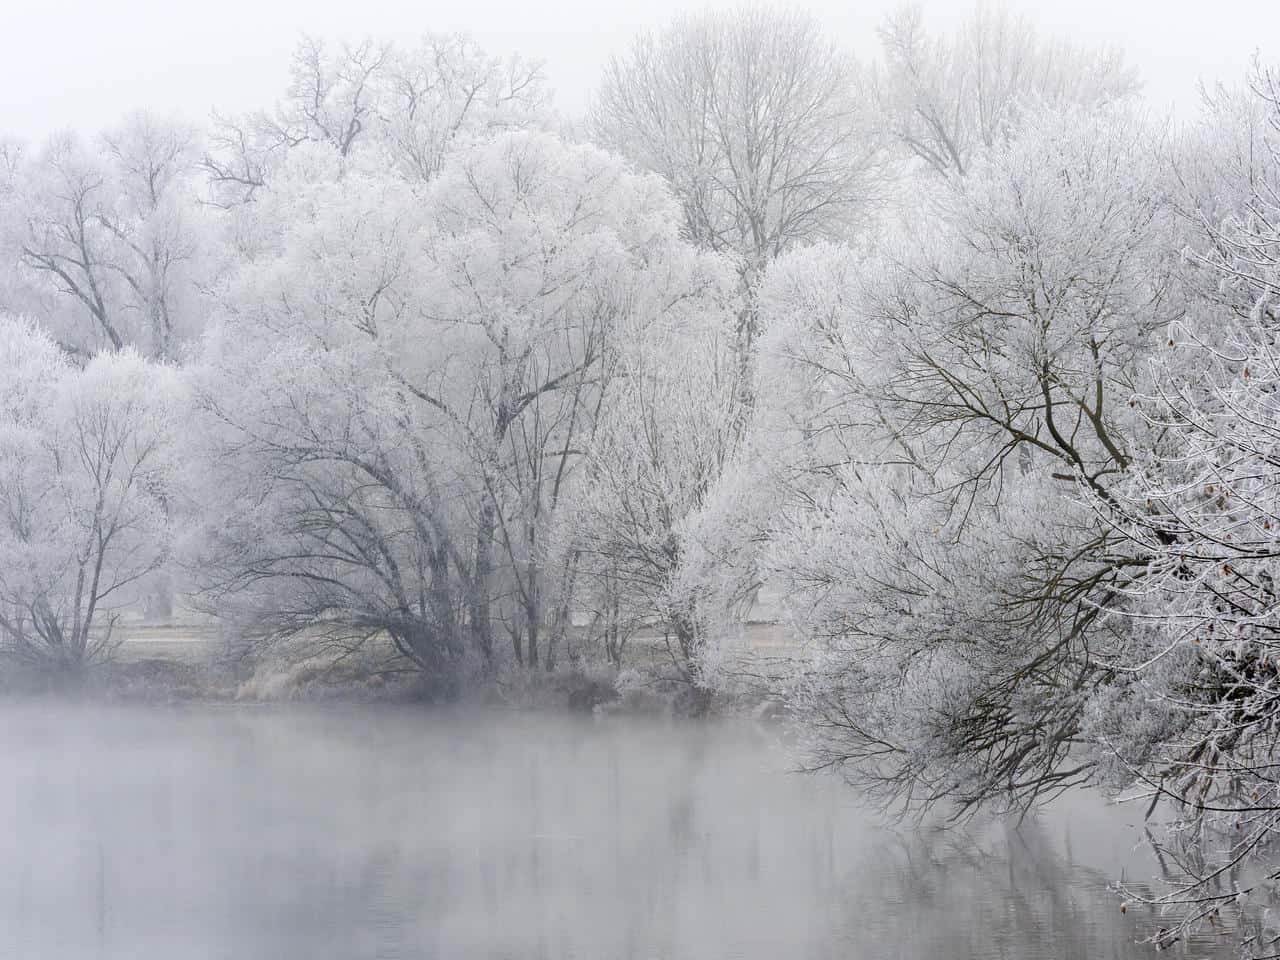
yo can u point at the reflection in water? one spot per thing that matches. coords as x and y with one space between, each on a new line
1006 890
378 832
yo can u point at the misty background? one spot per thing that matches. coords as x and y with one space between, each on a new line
449 494
69 63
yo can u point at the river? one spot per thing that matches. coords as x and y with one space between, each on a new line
379 832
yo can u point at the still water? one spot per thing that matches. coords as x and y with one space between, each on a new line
309 833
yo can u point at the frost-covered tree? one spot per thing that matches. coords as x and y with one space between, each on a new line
315 512
946 98
755 120
446 93
1191 719
107 238
380 106
415 372
544 258
86 474
666 436
952 393
759 125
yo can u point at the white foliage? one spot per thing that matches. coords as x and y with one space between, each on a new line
947 396
109 239
380 107
656 468
755 121
443 352
1191 718
946 99
86 483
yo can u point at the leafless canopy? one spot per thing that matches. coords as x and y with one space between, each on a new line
755 120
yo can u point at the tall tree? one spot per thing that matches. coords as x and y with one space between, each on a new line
944 98
108 236
88 470
666 436
1192 719
380 106
958 392
756 121
415 375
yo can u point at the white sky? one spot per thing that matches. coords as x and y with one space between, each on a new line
83 63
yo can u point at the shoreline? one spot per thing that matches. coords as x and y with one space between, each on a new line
163 671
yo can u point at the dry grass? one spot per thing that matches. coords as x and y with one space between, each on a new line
305 662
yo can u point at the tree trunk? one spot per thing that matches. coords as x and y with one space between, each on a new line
442 600
684 625
481 622
532 618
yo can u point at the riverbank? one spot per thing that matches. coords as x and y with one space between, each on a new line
158 664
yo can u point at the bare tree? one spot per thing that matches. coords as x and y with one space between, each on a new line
543 326
967 386
401 107
1193 720
943 98
447 92
152 220
413 375
756 122
110 229
663 443
87 470
64 238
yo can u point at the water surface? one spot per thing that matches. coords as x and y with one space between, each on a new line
311 833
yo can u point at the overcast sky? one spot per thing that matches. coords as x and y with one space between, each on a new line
82 63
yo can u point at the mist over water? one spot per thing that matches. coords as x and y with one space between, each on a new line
381 832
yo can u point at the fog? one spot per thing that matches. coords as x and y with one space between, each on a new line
384 832
67 64
712 390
